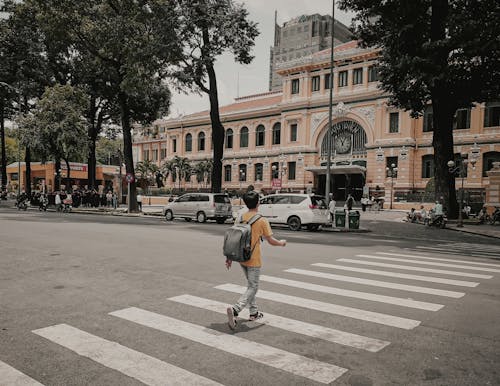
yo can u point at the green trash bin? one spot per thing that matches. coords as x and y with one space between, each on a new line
354 220
339 218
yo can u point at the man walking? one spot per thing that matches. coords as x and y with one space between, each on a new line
251 268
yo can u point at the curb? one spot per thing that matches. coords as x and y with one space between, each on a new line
344 230
473 233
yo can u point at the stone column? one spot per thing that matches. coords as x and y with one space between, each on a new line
493 189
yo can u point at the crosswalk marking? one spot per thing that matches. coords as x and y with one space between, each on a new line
431 263
267 355
438 259
10 376
413 268
377 283
148 370
431 279
354 294
469 251
355 313
296 326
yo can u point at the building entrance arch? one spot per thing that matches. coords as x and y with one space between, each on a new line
348 160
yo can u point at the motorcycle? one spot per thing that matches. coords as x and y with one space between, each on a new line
43 203
495 216
438 221
67 205
22 203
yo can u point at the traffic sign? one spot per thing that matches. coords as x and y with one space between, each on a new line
129 177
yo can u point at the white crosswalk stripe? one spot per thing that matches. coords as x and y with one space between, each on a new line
9 376
296 326
354 294
463 250
377 283
267 355
472 263
484 269
144 368
355 313
413 268
431 279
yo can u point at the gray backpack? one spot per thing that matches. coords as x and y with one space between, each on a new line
238 240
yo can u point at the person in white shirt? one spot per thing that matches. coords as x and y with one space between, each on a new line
58 202
331 209
139 202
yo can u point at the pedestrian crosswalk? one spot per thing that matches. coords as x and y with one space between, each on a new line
387 286
462 249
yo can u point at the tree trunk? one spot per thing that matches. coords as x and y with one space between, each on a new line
443 111
3 175
127 148
57 176
68 177
27 180
217 131
442 141
94 128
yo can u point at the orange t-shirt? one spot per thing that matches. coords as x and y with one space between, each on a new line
260 228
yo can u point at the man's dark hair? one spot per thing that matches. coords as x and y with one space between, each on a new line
251 199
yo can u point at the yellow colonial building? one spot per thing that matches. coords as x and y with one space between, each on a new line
277 140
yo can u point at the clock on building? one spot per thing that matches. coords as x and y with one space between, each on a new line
343 144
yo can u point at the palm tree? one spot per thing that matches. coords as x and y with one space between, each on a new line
178 166
147 170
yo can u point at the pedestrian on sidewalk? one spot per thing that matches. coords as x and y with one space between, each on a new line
331 209
109 199
139 202
251 268
114 198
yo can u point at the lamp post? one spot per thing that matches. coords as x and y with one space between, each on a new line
241 178
392 172
462 170
330 112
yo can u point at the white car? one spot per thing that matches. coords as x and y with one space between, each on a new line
295 210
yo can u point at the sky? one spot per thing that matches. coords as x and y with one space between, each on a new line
253 78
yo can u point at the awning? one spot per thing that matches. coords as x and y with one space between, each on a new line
338 169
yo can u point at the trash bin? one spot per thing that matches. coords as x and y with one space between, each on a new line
339 218
354 220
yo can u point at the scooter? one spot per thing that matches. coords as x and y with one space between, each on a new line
22 204
495 216
67 205
438 221
43 203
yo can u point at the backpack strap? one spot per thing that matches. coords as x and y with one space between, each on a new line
254 218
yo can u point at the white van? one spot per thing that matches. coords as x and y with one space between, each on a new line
295 210
200 206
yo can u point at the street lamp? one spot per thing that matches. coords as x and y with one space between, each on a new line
241 179
392 172
462 171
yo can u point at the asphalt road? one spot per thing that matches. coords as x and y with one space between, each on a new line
87 300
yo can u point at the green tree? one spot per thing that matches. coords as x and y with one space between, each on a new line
180 169
24 70
209 29
57 127
146 170
203 171
108 151
133 42
446 52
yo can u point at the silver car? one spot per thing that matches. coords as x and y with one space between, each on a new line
200 206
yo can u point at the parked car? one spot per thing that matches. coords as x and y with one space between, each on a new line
295 210
199 206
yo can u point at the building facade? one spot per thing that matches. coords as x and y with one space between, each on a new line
300 37
277 140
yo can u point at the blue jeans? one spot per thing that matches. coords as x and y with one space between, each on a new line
252 274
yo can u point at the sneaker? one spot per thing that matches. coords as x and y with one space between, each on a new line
257 315
231 318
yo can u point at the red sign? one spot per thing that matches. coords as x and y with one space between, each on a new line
129 177
276 183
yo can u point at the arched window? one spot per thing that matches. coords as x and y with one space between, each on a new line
227 173
492 114
189 142
488 159
242 172
260 135
277 133
259 172
201 141
244 137
229 138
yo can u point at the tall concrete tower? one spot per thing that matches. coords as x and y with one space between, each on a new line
302 36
